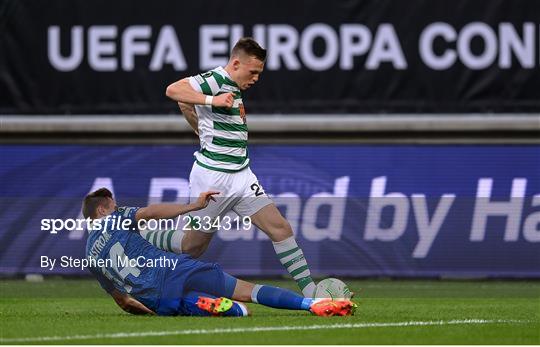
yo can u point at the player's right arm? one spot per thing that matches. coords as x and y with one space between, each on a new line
125 301
166 211
130 304
182 91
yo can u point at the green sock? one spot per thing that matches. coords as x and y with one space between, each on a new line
167 240
292 258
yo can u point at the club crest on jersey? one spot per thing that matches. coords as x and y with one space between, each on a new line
242 112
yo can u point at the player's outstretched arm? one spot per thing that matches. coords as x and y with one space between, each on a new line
165 211
130 304
181 91
190 115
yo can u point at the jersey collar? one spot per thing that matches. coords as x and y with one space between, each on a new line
221 70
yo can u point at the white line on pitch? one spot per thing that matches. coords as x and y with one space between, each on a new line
256 329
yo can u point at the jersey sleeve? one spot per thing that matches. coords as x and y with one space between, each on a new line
194 83
202 84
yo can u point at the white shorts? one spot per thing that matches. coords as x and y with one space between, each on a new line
240 192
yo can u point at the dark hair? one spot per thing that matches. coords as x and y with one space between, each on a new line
249 46
93 200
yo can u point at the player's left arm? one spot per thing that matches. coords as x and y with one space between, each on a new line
130 304
165 211
188 110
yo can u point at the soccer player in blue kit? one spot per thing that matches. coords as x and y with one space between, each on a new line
143 279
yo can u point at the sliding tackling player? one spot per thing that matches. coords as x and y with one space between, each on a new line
190 287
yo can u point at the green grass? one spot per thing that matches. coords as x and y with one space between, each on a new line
79 307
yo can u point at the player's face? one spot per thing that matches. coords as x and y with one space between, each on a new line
248 69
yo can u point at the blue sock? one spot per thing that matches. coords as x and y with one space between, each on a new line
279 298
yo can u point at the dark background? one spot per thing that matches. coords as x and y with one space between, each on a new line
30 85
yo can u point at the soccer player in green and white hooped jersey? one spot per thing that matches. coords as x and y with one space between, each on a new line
212 105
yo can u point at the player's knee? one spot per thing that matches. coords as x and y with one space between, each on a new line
286 227
195 245
280 230
194 251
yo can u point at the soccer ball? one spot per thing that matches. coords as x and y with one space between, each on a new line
332 288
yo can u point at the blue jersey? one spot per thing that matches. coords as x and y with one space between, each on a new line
120 250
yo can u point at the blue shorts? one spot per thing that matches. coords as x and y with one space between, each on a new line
180 290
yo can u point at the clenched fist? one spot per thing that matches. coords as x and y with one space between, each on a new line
223 100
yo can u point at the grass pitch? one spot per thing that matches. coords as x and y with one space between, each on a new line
60 311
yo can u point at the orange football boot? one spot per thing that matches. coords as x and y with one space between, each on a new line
216 306
329 307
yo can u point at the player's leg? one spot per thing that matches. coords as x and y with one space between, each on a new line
208 292
169 240
199 233
195 242
270 296
265 215
289 253
291 256
190 240
286 299
280 298
218 283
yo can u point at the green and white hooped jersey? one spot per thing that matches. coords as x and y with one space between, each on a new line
223 132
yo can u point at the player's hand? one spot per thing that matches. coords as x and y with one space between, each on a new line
204 199
223 100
